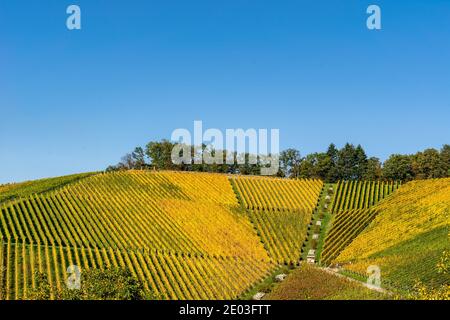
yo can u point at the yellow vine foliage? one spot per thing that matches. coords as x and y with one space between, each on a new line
168 276
272 194
407 237
417 207
217 230
182 234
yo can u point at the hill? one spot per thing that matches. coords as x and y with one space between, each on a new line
184 235
407 237
27 188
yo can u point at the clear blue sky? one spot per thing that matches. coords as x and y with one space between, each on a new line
74 101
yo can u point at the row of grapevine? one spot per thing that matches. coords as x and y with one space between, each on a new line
25 189
361 194
199 187
182 234
277 194
168 276
408 236
347 225
115 212
282 232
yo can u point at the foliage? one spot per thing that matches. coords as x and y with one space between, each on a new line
423 292
347 225
282 232
183 235
311 283
95 284
289 160
277 194
361 194
407 236
347 163
25 189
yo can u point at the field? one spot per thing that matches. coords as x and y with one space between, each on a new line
352 195
184 235
407 237
310 283
213 236
346 226
25 189
280 211
352 213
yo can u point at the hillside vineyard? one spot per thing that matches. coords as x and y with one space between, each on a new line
188 235
185 235
407 238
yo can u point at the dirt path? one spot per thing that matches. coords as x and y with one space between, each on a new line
368 286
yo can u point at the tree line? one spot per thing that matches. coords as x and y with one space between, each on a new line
348 163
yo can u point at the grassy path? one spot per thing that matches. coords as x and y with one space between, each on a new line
316 232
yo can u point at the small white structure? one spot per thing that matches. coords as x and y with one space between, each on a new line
327 198
259 296
311 257
325 206
280 277
315 236
318 222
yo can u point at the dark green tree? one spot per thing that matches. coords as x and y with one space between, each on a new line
398 167
360 162
289 159
428 164
333 173
373 169
160 154
138 156
347 162
445 158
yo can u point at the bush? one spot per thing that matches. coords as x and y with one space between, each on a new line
96 284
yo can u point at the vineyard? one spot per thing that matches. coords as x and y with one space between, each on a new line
346 227
211 236
170 276
184 235
407 238
361 194
278 194
280 211
25 189
282 232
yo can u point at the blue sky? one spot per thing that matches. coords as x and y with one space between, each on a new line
73 101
